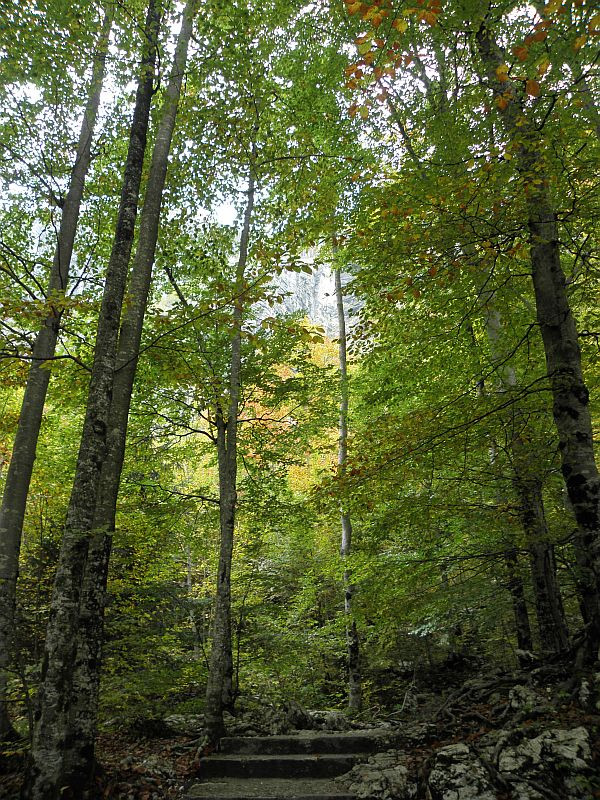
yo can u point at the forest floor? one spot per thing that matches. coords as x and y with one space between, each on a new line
437 725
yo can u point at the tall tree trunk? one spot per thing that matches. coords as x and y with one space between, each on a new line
352 640
552 626
219 693
20 469
52 734
191 616
517 593
559 335
79 756
511 560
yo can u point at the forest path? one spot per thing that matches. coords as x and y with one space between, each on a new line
298 766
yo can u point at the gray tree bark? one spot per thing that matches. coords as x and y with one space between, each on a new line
18 478
219 685
79 755
352 640
559 335
519 603
51 738
552 626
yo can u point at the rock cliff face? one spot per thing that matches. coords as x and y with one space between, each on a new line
314 295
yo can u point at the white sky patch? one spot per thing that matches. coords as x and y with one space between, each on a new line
225 213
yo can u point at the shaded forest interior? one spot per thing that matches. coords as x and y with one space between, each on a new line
300 367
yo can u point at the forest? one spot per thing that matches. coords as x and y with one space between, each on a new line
299 399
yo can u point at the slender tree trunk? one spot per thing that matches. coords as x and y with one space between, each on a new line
554 635
219 691
559 335
511 561
191 616
517 593
352 640
552 626
20 469
52 732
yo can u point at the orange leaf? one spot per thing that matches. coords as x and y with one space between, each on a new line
539 36
430 17
533 88
501 102
521 52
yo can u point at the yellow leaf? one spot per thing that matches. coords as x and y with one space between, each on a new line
579 42
400 25
552 7
502 72
543 66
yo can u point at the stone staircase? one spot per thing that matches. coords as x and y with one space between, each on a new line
298 766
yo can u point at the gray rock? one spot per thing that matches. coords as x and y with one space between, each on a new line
185 724
157 766
457 774
329 720
564 750
382 777
522 698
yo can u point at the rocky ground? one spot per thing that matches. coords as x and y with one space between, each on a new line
525 735
512 736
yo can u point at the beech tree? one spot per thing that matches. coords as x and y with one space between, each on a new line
354 680
50 760
22 458
487 66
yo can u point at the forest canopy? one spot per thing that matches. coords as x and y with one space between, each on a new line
299 356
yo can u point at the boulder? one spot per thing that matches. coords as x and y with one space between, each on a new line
384 776
557 758
458 774
329 721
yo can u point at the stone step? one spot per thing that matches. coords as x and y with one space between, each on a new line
355 742
265 789
277 766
